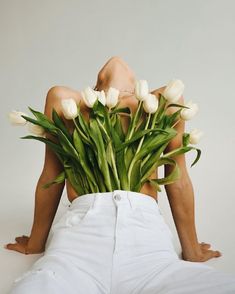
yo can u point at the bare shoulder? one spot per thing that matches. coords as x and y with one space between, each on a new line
64 92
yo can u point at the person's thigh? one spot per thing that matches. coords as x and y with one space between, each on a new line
78 256
40 281
184 277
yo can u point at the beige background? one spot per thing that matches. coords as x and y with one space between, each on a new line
48 43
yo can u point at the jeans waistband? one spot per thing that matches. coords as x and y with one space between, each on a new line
116 197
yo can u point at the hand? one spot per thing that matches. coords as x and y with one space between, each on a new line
21 246
203 255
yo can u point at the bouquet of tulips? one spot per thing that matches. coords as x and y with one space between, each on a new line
98 156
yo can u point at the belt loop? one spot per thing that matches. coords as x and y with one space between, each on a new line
131 199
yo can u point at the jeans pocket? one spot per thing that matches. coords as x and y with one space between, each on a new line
77 216
72 218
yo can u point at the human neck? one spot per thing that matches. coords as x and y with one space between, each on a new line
119 78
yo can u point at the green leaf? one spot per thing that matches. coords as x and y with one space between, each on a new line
66 144
75 177
130 153
83 159
47 126
135 182
152 162
58 180
122 170
43 118
134 119
103 131
60 124
139 135
185 139
118 110
55 147
171 178
82 126
153 143
118 128
109 153
182 150
155 185
40 116
197 157
97 172
169 120
157 117
176 105
99 143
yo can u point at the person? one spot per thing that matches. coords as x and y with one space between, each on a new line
115 242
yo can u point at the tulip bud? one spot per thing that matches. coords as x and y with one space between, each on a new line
150 103
141 89
69 108
89 97
195 136
112 97
173 90
36 129
16 119
189 113
101 96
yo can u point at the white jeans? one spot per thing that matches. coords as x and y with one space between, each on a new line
117 243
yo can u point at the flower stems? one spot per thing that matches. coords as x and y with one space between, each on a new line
138 148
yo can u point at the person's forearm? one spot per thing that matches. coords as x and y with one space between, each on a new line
181 200
46 204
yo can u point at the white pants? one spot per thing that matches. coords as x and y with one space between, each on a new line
117 243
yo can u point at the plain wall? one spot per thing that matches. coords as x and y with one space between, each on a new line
48 43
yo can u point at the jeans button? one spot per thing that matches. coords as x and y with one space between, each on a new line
117 197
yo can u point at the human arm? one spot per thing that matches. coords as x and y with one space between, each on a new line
46 200
181 199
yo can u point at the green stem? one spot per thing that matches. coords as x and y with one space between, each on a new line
142 139
80 132
171 152
115 169
138 148
134 121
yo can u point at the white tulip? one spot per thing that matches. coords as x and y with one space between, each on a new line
150 103
112 97
141 89
16 119
101 96
69 108
187 114
195 136
173 90
36 129
89 97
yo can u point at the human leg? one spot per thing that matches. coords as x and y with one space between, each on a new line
144 258
78 256
185 277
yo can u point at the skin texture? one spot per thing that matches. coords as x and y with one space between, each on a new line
115 73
